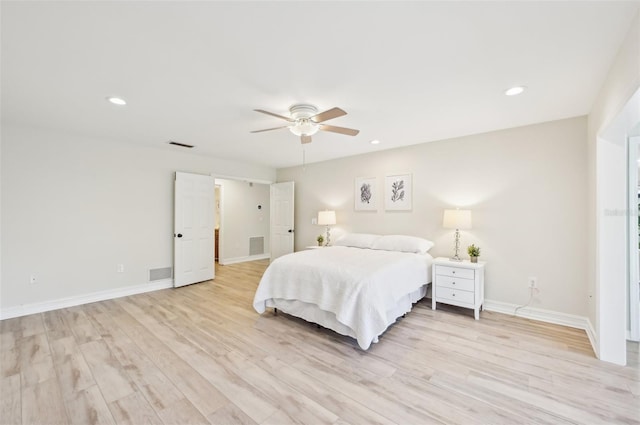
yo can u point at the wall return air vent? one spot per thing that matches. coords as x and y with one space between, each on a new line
160 274
256 245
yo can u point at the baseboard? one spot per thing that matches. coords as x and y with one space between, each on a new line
234 260
41 307
593 338
539 314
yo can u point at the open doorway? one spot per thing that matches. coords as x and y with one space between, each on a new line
217 224
615 227
243 226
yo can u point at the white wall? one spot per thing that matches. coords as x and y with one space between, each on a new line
73 208
607 187
241 219
525 187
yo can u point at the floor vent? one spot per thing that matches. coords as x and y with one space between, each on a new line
159 274
256 245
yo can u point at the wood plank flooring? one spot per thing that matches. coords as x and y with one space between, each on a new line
200 354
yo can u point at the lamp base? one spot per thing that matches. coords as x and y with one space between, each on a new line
456 257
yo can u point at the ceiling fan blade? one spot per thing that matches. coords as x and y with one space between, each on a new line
269 129
305 139
341 130
274 115
328 115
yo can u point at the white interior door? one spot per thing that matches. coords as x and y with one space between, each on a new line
194 214
281 219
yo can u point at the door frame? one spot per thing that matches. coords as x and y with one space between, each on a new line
633 307
611 239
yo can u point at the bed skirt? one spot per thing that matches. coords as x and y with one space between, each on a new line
311 312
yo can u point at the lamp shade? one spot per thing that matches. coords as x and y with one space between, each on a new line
326 218
456 219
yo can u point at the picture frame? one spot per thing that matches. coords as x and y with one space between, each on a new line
398 190
366 194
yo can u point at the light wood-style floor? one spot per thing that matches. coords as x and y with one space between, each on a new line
201 354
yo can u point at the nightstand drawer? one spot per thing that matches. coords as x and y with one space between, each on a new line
454 295
455 283
455 272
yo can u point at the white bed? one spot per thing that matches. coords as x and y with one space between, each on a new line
354 290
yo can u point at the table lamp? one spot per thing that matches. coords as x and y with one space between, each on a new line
327 218
457 219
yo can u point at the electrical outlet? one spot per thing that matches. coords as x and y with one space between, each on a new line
533 282
32 279
314 220
120 268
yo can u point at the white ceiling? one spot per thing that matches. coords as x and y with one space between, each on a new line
406 73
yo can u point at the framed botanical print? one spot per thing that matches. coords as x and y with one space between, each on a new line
397 192
366 194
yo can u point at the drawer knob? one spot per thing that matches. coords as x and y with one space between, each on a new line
454 294
454 283
454 272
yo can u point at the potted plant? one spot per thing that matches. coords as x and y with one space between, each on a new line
474 252
320 239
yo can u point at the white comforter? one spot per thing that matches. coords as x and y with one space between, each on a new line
358 285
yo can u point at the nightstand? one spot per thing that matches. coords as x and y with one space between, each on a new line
459 283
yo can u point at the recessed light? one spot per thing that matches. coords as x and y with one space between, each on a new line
117 101
513 91
375 142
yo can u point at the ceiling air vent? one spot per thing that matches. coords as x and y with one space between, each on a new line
182 145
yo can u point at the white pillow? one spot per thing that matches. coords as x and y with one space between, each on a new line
403 243
357 240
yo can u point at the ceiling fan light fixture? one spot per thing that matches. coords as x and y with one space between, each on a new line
304 127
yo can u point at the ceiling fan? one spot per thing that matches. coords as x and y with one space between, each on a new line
305 121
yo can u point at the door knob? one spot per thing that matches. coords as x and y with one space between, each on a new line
179 235
290 230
